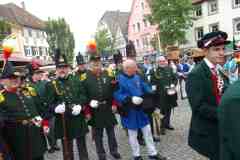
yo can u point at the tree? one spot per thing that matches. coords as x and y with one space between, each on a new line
60 36
103 41
5 29
173 17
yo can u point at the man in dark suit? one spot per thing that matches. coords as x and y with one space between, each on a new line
205 86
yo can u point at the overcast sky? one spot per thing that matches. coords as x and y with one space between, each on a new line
82 15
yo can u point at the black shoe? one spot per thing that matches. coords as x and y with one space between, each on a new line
157 157
170 128
138 158
156 139
163 131
56 148
102 158
51 150
116 155
141 142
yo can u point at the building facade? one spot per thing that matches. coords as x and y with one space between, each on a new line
140 31
31 38
116 24
212 15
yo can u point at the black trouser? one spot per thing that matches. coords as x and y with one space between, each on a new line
39 158
166 118
82 148
51 136
112 142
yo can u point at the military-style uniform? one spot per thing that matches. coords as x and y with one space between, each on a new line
26 140
163 77
100 88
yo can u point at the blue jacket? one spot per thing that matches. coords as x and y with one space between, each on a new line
129 87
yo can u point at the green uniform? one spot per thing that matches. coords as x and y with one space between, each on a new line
24 139
163 77
69 91
228 115
101 89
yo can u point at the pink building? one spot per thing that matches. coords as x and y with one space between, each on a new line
140 31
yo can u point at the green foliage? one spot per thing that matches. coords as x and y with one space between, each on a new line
5 29
103 41
60 36
173 18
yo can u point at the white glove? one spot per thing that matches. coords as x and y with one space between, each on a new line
137 100
94 104
46 130
60 108
37 121
76 110
154 87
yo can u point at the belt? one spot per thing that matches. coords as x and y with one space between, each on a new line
102 102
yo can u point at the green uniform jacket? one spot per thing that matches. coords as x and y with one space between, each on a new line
204 133
163 77
69 91
100 89
23 139
229 123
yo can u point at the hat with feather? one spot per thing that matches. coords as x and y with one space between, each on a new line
130 50
60 59
80 59
8 70
34 67
92 51
117 57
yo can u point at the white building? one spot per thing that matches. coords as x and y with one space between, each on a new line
29 30
214 15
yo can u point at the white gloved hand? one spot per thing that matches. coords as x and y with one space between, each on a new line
46 130
154 87
76 110
94 104
60 108
137 100
37 121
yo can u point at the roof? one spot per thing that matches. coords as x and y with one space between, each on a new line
113 18
18 15
197 1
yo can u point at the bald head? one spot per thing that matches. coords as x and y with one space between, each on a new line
130 67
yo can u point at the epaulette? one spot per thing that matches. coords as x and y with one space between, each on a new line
54 82
29 91
2 98
83 76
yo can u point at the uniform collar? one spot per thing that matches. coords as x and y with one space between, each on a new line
209 64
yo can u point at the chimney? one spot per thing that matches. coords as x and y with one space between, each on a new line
23 5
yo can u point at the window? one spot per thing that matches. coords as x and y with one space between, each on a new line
138 43
212 7
38 34
34 51
236 3
199 33
142 5
27 51
134 28
236 25
213 27
145 23
198 10
30 32
138 27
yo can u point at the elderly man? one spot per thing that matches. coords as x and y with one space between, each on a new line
205 86
130 95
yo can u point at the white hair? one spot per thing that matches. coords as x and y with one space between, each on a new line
161 58
128 64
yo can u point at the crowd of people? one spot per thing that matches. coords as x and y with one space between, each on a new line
36 110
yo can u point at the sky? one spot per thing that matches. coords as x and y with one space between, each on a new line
81 15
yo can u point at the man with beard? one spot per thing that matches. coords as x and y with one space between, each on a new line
67 98
205 86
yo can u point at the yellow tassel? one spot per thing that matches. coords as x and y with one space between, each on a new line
83 77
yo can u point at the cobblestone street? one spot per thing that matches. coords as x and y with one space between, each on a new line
173 145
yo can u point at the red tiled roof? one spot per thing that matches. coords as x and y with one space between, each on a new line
18 15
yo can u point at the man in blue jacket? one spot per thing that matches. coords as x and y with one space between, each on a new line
130 95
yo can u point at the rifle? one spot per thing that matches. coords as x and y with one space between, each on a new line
65 140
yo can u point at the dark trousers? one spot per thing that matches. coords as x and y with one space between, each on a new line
82 148
112 142
39 158
167 117
51 136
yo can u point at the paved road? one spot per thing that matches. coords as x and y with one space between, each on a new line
173 145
